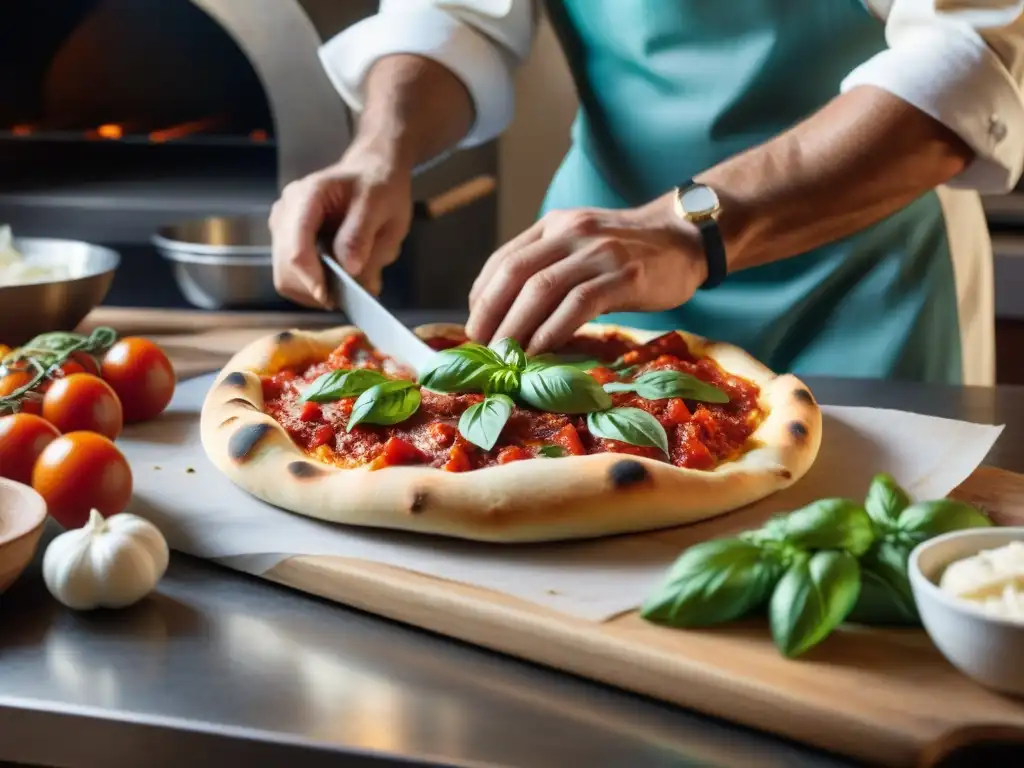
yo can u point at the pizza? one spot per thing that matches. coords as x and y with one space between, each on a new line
620 431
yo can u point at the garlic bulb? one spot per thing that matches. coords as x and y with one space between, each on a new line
105 564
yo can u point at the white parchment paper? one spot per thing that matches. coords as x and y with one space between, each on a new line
203 514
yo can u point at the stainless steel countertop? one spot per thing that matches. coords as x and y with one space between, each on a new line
218 666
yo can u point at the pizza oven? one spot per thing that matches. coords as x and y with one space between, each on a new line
120 117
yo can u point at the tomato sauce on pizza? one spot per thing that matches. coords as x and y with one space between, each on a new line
701 435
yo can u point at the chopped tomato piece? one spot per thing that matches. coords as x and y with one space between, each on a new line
349 346
512 453
272 388
443 434
322 435
709 426
398 451
458 459
676 413
569 438
603 375
310 412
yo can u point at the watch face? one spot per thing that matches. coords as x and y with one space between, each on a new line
698 200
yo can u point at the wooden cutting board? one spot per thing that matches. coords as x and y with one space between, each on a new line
883 696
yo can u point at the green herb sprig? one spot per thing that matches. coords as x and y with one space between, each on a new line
507 377
42 357
831 562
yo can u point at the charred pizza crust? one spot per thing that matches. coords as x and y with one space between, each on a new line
534 500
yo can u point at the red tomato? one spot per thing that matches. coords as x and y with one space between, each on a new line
79 472
79 362
83 402
23 436
511 453
15 380
142 377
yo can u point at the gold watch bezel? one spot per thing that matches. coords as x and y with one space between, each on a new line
696 216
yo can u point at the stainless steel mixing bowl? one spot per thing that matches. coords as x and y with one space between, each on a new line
58 305
221 262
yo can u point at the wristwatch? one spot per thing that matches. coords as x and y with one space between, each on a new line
698 204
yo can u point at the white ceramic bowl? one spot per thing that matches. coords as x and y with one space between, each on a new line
986 648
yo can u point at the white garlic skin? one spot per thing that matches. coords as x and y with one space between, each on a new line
108 563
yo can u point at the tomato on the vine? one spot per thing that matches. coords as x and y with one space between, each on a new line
141 375
82 401
23 436
79 472
11 382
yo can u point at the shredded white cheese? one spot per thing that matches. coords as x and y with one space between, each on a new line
992 579
16 269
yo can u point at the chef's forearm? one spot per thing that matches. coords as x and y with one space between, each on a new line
415 110
859 159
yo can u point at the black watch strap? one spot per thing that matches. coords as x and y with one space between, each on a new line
714 247
714 253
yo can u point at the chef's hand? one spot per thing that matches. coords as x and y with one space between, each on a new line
572 266
364 201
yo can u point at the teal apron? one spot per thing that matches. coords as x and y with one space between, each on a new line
669 88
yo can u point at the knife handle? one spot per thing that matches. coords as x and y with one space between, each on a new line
455 198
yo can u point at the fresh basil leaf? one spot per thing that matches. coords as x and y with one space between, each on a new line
510 352
926 519
659 385
629 425
388 403
712 583
336 385
885 501
465 368
814 596
886 598
552 451
503 382
562 389
828 524
547 360
481 424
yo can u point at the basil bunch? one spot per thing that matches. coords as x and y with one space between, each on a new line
830 562
505 375
899 526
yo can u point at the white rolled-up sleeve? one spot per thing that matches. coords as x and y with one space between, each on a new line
482 42
962 63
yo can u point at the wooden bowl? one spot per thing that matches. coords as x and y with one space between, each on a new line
22 515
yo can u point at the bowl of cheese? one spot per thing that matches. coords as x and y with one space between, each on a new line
49 284
969 590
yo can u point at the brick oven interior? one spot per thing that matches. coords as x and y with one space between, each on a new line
124 116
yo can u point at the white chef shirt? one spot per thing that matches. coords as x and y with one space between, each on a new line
960 61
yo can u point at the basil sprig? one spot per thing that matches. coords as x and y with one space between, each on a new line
335 385
511 353
830 562
629 425
389 402
660 385
481 424
547 384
